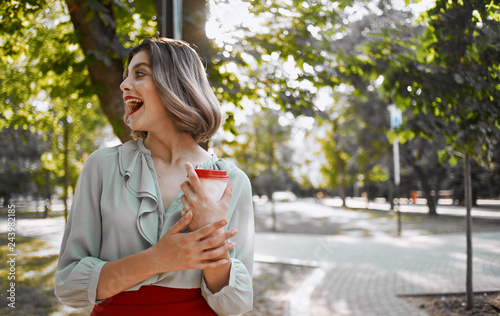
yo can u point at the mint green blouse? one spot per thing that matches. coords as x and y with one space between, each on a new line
117 211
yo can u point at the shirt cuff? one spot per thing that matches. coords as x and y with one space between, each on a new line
96 265
226 288
235 298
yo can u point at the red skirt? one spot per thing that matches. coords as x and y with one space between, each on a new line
155 300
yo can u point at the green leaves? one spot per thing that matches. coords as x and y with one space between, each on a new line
448 75
44 82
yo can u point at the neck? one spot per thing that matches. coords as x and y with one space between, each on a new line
175 149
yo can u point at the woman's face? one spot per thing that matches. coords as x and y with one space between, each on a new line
146 110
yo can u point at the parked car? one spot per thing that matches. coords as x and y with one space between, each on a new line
284 196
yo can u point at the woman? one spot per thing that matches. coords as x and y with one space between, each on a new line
140 239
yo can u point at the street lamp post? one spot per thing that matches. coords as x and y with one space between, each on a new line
171 17
396 116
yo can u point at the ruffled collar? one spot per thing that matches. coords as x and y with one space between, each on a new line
135 161
137 168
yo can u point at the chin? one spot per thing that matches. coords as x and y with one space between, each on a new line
134 125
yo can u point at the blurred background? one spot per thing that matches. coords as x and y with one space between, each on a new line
376 107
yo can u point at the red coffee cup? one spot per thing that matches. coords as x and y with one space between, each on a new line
214 182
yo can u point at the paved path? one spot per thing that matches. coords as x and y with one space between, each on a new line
354 275
51 230
361 276
489 209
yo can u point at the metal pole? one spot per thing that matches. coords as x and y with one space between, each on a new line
396 117
397 181
468 225
163 31
177 19
171 19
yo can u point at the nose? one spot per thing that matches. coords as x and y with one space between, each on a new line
125 86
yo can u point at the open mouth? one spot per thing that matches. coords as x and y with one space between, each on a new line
134 104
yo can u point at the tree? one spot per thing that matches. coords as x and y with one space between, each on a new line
309 47
263 152
103 31
449 77
20 159
61 59
106 29
422 156
45 89
335 169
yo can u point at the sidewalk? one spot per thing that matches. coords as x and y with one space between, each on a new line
488 209
351 275
361 276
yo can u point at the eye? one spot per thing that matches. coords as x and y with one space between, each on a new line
139 74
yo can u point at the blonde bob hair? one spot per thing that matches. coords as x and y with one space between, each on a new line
182 84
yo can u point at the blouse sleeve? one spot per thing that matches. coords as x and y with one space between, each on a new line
79 268
237 297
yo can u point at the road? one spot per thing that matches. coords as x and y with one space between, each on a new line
360 272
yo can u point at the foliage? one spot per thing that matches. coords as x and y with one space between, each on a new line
309 52
20 158
422 156
263 151
485 181
340 62
449 76
44 82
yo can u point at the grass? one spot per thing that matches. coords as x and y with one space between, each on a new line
35 274
34 278
22 213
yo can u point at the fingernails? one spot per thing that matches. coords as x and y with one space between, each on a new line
223 222
187 163
233 232
189 214
231 245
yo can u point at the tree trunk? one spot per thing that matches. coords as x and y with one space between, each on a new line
194 15
270 188
194 18
66 168
343 194
6 196
341 172
47 194
437 187
426 189
105 55
468 229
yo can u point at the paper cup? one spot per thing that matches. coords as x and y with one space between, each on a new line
214 182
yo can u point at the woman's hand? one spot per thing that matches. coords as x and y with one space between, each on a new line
195 199
194 250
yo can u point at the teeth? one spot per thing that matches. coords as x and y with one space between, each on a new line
134 100
134 104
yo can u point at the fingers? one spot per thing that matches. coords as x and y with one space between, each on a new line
218 241
214 264
184 201
189 193
193 177
209 229
217 252
181 224
228 192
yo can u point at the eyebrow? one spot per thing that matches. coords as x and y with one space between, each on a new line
140 64
137 66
